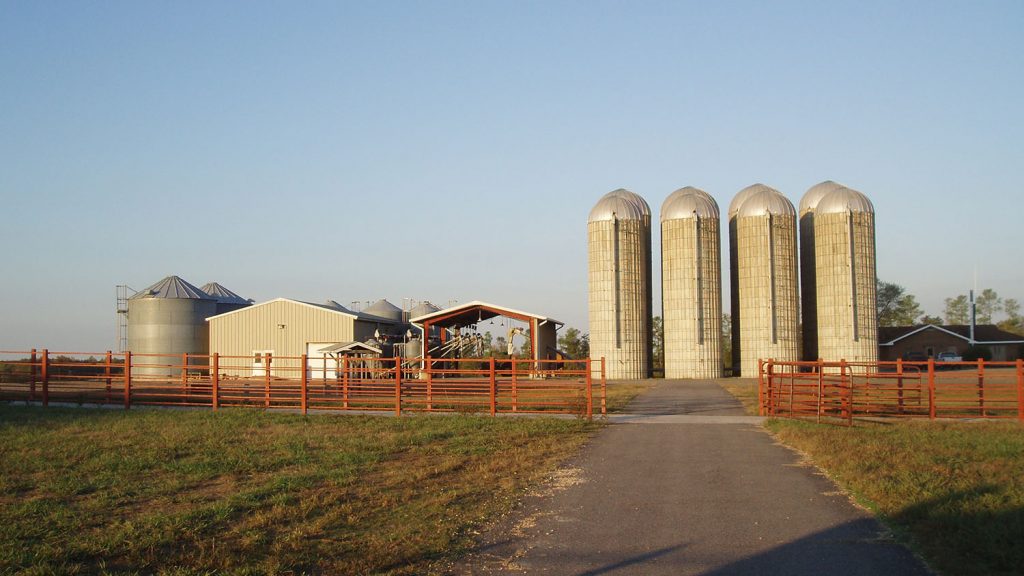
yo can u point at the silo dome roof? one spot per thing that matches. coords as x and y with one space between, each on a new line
767 202
844 199
622 205
742 195
172 287
222 295
384 309
814 194
687 203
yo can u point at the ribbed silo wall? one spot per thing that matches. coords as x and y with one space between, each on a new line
692 297
808 288
173 326
846 286
619 296
769 299
734 298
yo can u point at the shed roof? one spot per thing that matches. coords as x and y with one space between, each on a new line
172 287
249 309
349 347
474 312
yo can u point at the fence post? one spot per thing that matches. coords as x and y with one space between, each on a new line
849 395
128 380
303 386
494 390
45 374
762 405
344 381
604 389
428 368
184 374
267 359
821 385
899 383
931 388
215 381
106 374
1020 389
981 386
590 395
515 388
398 387
32 376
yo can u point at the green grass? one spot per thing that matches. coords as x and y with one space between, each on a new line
250 492
954 490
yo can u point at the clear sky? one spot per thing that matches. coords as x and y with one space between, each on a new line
452 150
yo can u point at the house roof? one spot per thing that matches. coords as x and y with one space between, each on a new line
983 333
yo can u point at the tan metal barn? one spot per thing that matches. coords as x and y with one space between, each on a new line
266 334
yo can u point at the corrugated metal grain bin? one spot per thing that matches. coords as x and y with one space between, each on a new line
168 317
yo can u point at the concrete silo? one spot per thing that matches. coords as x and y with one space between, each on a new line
645 210
844 255
808 270
619 257
227 301
769 299
169 317
691 277
734 283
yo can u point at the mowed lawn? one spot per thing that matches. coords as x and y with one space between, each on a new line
251 492
953 490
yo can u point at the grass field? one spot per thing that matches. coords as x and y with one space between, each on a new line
954 490
251 492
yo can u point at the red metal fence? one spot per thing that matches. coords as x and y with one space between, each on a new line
931 389
478 385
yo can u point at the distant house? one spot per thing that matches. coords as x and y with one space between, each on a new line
928 340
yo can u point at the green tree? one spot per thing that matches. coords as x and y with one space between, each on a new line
574 343
957 310
936 320
987 305
895 306
726 340
1014 321
658 353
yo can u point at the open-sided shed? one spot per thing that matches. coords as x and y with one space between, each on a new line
543 330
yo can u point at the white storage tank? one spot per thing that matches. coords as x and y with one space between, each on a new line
691 277
844 254
769 299
619 257
808 270
734 283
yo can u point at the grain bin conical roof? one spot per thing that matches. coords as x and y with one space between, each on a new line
844 200
422 309
620 204
768 201
689 202
334 305
222 295
172 287
742 195
815 193
384 309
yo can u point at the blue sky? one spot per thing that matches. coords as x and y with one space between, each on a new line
452 150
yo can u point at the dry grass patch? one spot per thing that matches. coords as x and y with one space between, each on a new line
745 390
249 492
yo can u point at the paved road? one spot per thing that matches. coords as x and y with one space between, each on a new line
688 485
